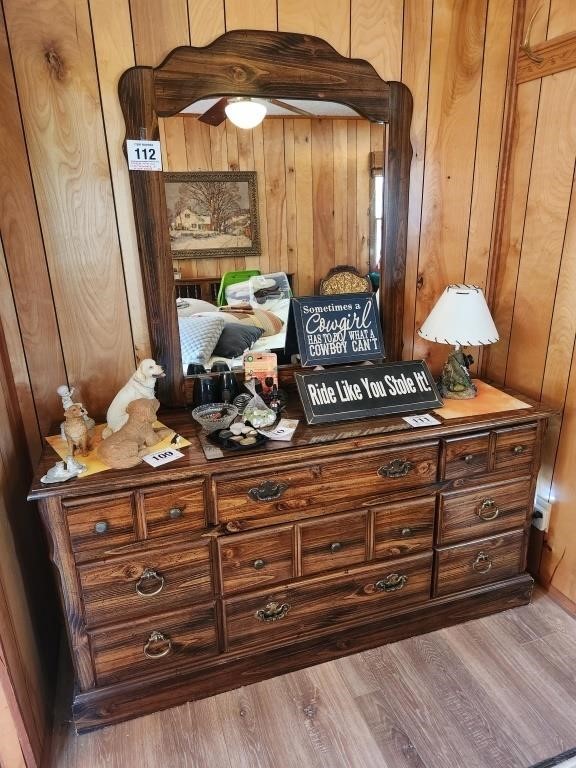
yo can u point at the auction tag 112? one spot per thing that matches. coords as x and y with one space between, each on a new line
163 456
143 155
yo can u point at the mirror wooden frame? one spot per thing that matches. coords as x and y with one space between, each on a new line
270 65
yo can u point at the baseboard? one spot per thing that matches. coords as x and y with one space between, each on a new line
559 598
123 701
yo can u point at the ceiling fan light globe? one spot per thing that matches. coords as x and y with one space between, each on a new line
245 113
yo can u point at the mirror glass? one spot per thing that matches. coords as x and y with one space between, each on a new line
303 195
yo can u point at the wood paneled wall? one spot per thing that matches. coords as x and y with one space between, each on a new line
313 179
536 280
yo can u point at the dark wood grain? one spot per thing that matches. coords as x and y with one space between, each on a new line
465 566
317 604
465 456
404 527
119 652
504 506
269 64
335 542
177 509
101 524
109 587
322 487
255 560
515 448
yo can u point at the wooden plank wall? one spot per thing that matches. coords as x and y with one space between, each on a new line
536 281
334 173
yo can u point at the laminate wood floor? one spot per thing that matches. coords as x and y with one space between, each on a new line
498 692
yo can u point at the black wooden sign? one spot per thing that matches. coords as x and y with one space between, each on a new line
332 330
359 392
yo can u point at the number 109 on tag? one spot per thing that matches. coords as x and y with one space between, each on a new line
162 457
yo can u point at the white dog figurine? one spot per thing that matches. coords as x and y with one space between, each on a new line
141 384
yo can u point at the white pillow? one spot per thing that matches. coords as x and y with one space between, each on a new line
187 307
198 336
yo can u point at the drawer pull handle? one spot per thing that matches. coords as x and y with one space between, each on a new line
336 546
155 638
469 458
101 527
175 512
267 491
396 468
272 612
259 564
518 450
406 532
488 510
150 576
482 563
392 582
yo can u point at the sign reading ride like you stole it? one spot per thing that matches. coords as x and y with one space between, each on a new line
332 330
367 390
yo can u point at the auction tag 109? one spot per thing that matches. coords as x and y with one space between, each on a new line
143 155
164 456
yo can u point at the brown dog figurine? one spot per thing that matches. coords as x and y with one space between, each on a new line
75 429
124 449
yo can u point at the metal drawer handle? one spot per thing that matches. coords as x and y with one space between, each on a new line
157 637
406 532
482 563
336 546
101 527
259 564
150 576
468 459
272 612
518 450
175 512
267 491
396 468
392 582
484 512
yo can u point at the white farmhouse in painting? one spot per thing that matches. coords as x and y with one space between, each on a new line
192 221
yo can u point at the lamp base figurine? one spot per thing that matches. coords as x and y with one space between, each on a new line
455 381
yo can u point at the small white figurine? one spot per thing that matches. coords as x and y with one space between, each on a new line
74 467
140 385
57 474
66 395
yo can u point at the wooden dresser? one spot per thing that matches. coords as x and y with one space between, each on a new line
185 581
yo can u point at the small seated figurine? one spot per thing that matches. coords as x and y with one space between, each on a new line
75 429
124 449
140 385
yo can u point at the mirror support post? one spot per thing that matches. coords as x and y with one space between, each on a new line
137 96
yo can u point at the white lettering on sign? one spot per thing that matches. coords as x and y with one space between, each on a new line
162 457
143 155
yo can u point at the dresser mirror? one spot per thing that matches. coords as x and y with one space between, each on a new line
306 74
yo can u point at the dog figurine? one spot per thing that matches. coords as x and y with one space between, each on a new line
140 385
75 429
124 449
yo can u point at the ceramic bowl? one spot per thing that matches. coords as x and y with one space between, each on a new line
214 416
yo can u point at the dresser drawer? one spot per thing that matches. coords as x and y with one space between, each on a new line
99 524
139 584
177 509
465 566
404 527
515 448
484 510
466 456
164 643
262 498
323 603
334 542
254 560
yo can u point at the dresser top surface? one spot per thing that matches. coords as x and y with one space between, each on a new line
320 441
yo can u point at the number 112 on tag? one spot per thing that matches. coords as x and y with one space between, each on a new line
144 155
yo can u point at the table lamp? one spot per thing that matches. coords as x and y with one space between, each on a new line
460 317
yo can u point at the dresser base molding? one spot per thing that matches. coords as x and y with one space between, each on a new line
114 704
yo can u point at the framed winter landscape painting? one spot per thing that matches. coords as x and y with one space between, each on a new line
212 214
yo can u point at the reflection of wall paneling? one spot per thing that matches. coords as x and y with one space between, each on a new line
325 188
